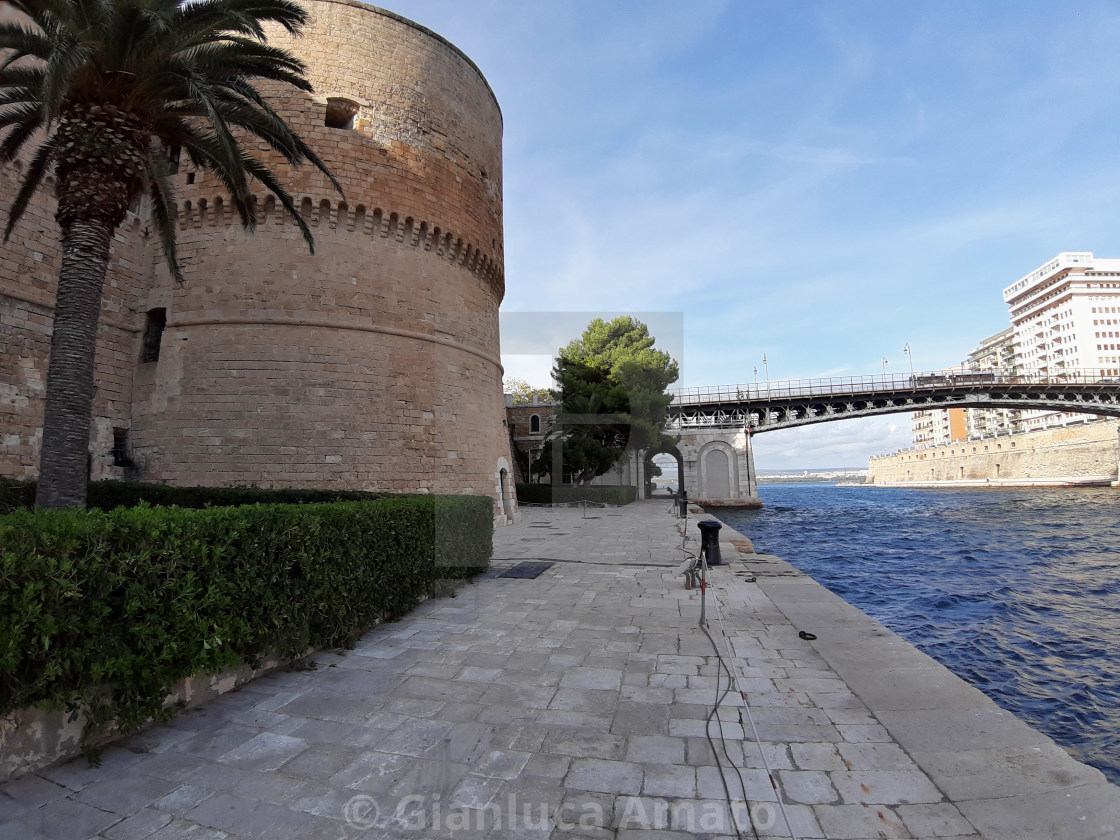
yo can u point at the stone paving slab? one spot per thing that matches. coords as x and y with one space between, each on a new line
580 705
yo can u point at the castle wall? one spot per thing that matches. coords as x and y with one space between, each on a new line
29 263
371 364
1080 454
374 363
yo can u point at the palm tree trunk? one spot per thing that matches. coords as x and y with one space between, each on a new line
64 458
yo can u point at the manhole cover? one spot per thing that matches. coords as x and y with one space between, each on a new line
525 570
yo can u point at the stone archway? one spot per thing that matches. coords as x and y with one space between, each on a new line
672 451
701 467
718 466
505 495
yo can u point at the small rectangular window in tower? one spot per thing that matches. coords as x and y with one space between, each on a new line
120 448
153 335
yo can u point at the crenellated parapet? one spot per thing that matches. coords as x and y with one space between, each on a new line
375 223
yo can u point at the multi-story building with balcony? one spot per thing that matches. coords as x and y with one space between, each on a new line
938 426
994 353
1066 321
949 425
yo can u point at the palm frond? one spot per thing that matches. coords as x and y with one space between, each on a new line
182 71
205 18
208 152
163 214
265 175
27 77
23 42
31 180
59 73
24 122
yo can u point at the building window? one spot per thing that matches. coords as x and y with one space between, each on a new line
120 448
340 113
153 335
535 424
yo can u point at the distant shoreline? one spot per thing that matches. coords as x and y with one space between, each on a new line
851 476
829 478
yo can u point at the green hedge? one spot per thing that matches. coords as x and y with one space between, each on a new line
106 611
546 494
109 495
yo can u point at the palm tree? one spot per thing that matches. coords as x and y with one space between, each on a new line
100 91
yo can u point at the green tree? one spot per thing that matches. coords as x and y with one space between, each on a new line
101 90
523 393
611 385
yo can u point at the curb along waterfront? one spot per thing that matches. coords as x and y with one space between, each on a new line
575 705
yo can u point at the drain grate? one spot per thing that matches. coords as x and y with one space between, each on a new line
528 571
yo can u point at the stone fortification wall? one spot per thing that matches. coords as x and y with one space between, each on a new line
1081 454
29 263
372 364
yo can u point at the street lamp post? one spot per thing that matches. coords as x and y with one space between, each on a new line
766 368
884 366
909 358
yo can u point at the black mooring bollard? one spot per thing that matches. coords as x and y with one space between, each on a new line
709 540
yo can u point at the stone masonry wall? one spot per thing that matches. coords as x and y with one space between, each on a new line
1082 453
29 263
373 363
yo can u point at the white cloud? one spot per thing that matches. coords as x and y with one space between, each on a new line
841 443
819 182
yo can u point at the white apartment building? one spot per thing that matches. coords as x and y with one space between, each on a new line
995 353
940 426
1066 321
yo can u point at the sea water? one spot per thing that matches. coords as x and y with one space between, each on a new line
1015 590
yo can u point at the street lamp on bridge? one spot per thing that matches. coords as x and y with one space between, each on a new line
884 366
909 358
766 367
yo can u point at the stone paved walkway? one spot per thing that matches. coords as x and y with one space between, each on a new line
575 705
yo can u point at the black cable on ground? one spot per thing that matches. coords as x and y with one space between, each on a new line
723 741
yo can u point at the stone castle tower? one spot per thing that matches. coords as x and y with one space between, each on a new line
372 364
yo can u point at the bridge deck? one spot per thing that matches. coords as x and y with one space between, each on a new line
773 405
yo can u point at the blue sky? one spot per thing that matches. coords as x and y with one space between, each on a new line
822 182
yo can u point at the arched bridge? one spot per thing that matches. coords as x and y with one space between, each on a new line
782 405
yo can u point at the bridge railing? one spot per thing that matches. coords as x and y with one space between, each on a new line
877 384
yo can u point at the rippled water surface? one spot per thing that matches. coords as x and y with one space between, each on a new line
1015 590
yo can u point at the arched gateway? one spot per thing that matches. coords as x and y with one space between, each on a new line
719 468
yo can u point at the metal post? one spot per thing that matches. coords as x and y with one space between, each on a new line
703 588
709 541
